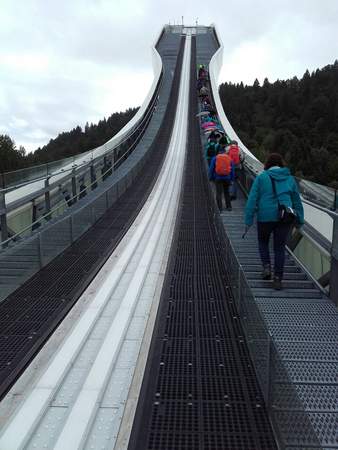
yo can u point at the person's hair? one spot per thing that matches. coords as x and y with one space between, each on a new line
223 141
274 159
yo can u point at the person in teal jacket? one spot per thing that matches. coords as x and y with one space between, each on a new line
264 203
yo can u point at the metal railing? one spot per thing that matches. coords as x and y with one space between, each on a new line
330 278
273 377
77 178
320 197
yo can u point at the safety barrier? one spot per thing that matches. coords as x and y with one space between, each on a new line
316 244
77 179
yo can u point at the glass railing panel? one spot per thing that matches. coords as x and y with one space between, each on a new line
318 194
316 262
21 176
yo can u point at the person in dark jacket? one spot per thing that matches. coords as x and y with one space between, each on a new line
210 151
222 182
264 203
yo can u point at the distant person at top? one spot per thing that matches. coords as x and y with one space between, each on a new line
265 201
204 91
237 157
200 83
221 170
202 73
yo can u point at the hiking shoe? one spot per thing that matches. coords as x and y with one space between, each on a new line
266 273
277 283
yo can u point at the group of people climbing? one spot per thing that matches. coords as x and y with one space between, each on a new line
223 155
274 195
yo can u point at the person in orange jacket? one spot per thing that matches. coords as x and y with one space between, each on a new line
221 170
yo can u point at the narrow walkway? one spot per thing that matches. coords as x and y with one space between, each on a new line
303 323
200 390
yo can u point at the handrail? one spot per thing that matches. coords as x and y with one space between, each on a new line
63 202
142 125
92 159
331 213
253 166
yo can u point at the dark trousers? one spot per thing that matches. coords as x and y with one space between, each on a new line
233 187
222 187
280 233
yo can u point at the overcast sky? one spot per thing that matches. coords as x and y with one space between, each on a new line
66 62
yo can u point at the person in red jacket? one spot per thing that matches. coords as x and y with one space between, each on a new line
221 170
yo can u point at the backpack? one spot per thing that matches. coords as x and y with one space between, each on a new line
223 165
234 154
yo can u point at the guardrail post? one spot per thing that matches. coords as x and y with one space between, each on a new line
47 198
74 185
93 176
35 224
3 216
334 263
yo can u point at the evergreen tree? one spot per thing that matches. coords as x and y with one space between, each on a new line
298 118
66 144
11 158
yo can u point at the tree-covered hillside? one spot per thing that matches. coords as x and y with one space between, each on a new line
297 118
66 144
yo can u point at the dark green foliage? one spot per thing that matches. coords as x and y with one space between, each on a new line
297 118
66 144
11 158
79 141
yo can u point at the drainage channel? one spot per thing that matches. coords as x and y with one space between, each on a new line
32 312
199 390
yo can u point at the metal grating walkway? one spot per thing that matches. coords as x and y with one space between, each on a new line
199 390
303 324
30 314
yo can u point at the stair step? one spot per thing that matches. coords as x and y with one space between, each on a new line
287 276
287 284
